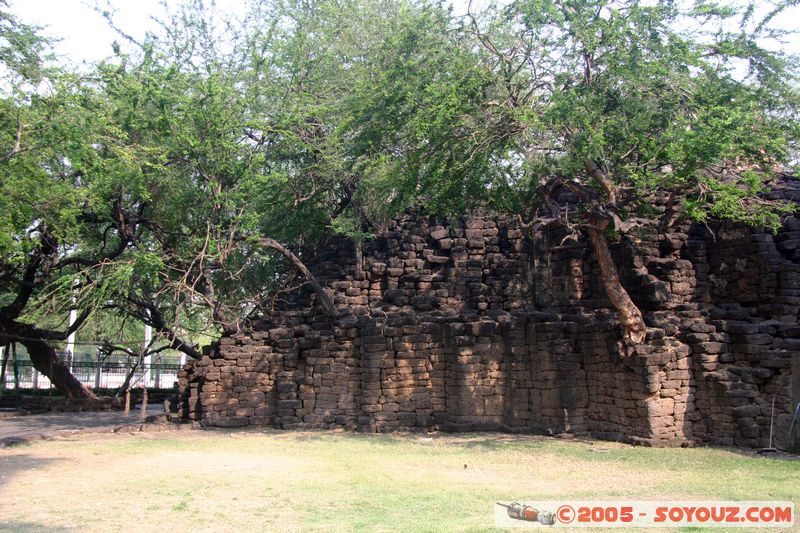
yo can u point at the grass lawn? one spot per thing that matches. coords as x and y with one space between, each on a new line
326 481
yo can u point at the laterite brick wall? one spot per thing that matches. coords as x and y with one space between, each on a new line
481 323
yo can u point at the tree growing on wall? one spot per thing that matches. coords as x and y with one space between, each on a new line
610 101
619 100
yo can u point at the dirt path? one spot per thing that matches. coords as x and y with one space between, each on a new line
54 424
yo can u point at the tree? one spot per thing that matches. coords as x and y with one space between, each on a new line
47 221
246 143
74 199
617 103
150 187
231 131
422 124
610 101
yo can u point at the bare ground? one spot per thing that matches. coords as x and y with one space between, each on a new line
328 481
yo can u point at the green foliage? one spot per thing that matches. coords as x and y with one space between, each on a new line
22 52
739 200
654 106
416 133
149 182
349 225
479 114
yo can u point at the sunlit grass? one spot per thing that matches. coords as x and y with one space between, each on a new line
285 481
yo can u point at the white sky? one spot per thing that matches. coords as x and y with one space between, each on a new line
85 36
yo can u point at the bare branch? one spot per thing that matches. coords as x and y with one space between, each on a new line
594 170
323 296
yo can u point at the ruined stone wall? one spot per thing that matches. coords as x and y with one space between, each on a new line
483 324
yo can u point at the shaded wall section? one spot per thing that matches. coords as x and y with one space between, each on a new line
481 323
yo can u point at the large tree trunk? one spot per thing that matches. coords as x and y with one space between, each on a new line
44 359
630 317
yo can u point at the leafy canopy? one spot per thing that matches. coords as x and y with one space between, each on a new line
146 185
652 96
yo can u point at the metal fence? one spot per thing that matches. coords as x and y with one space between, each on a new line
99 375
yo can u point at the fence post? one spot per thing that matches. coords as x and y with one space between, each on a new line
17 392
158 372
98 369
148 338
35 377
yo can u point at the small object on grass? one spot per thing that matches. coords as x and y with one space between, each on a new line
771 420
599 450
465 467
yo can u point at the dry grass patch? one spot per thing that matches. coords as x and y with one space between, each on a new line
324 481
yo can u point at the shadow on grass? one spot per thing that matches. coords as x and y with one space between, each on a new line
12 465
489 441
321 435
495 441
754 454
24 527
55 423
601 451
584 448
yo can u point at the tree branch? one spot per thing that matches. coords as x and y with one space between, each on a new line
323 296
594 170
154 318
28 282
17 142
